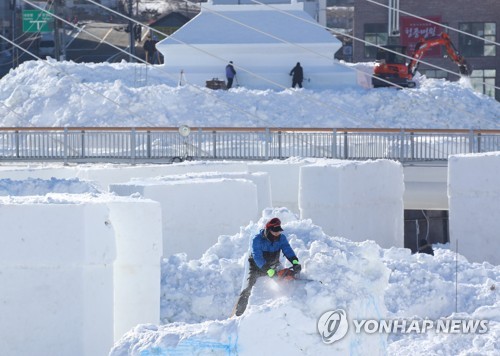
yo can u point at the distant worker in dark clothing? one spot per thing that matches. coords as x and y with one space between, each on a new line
230 74
297 74
425 247
137 32
150 49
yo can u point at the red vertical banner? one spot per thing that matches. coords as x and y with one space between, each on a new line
412 30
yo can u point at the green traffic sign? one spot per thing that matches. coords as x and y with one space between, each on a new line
37 21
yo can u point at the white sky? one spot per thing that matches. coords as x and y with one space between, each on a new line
197 295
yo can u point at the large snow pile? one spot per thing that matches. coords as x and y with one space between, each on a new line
50 93
361 278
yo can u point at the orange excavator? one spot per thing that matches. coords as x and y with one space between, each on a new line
394 70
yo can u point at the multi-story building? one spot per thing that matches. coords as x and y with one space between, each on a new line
5 21
472 26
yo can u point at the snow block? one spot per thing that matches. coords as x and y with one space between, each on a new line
260 179
36 171
104 176
347 199
284 178
64 272
57 280
474 201
137 268
196 211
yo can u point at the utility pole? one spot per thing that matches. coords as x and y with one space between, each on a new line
13 32
131 31
57 33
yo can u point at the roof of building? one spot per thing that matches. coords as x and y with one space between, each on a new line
175 19
249 26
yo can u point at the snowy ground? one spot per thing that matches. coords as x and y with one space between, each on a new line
47 93
362 278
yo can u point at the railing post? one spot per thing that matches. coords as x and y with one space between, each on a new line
65 146
479 142
132 145
16 139
471 141
334 144
83 143
268 143
200 136
412 145
402 146
148 144
346 148
214 143
279 145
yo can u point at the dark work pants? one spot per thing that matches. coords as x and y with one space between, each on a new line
229 83
296 82
254 272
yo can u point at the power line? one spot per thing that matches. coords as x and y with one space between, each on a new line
172 37
444 26
435 23
366 42
70 77
141 60
359 40
225 60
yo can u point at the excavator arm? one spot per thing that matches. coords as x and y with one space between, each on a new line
444 40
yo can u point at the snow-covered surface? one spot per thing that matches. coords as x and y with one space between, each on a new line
47 93
69 256
256 24
334 195
197 295
473 179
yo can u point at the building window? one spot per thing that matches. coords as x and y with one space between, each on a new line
434 73
483 81
474 47
374 34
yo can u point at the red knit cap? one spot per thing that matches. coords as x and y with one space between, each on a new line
274 222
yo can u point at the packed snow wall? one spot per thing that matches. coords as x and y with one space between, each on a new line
284 180
198 208
349 198
103 176
474 199
77 272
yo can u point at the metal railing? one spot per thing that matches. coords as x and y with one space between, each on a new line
156 144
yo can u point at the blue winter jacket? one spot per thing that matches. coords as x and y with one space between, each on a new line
230 71
266 252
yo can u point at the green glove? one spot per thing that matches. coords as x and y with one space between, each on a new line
271 272
296 266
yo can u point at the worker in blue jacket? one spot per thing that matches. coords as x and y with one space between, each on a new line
264 259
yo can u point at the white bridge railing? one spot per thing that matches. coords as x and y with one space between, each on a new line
166 144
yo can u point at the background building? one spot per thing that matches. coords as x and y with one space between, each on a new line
264 42
380 23
5 21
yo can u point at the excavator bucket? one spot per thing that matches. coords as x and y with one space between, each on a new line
464 68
